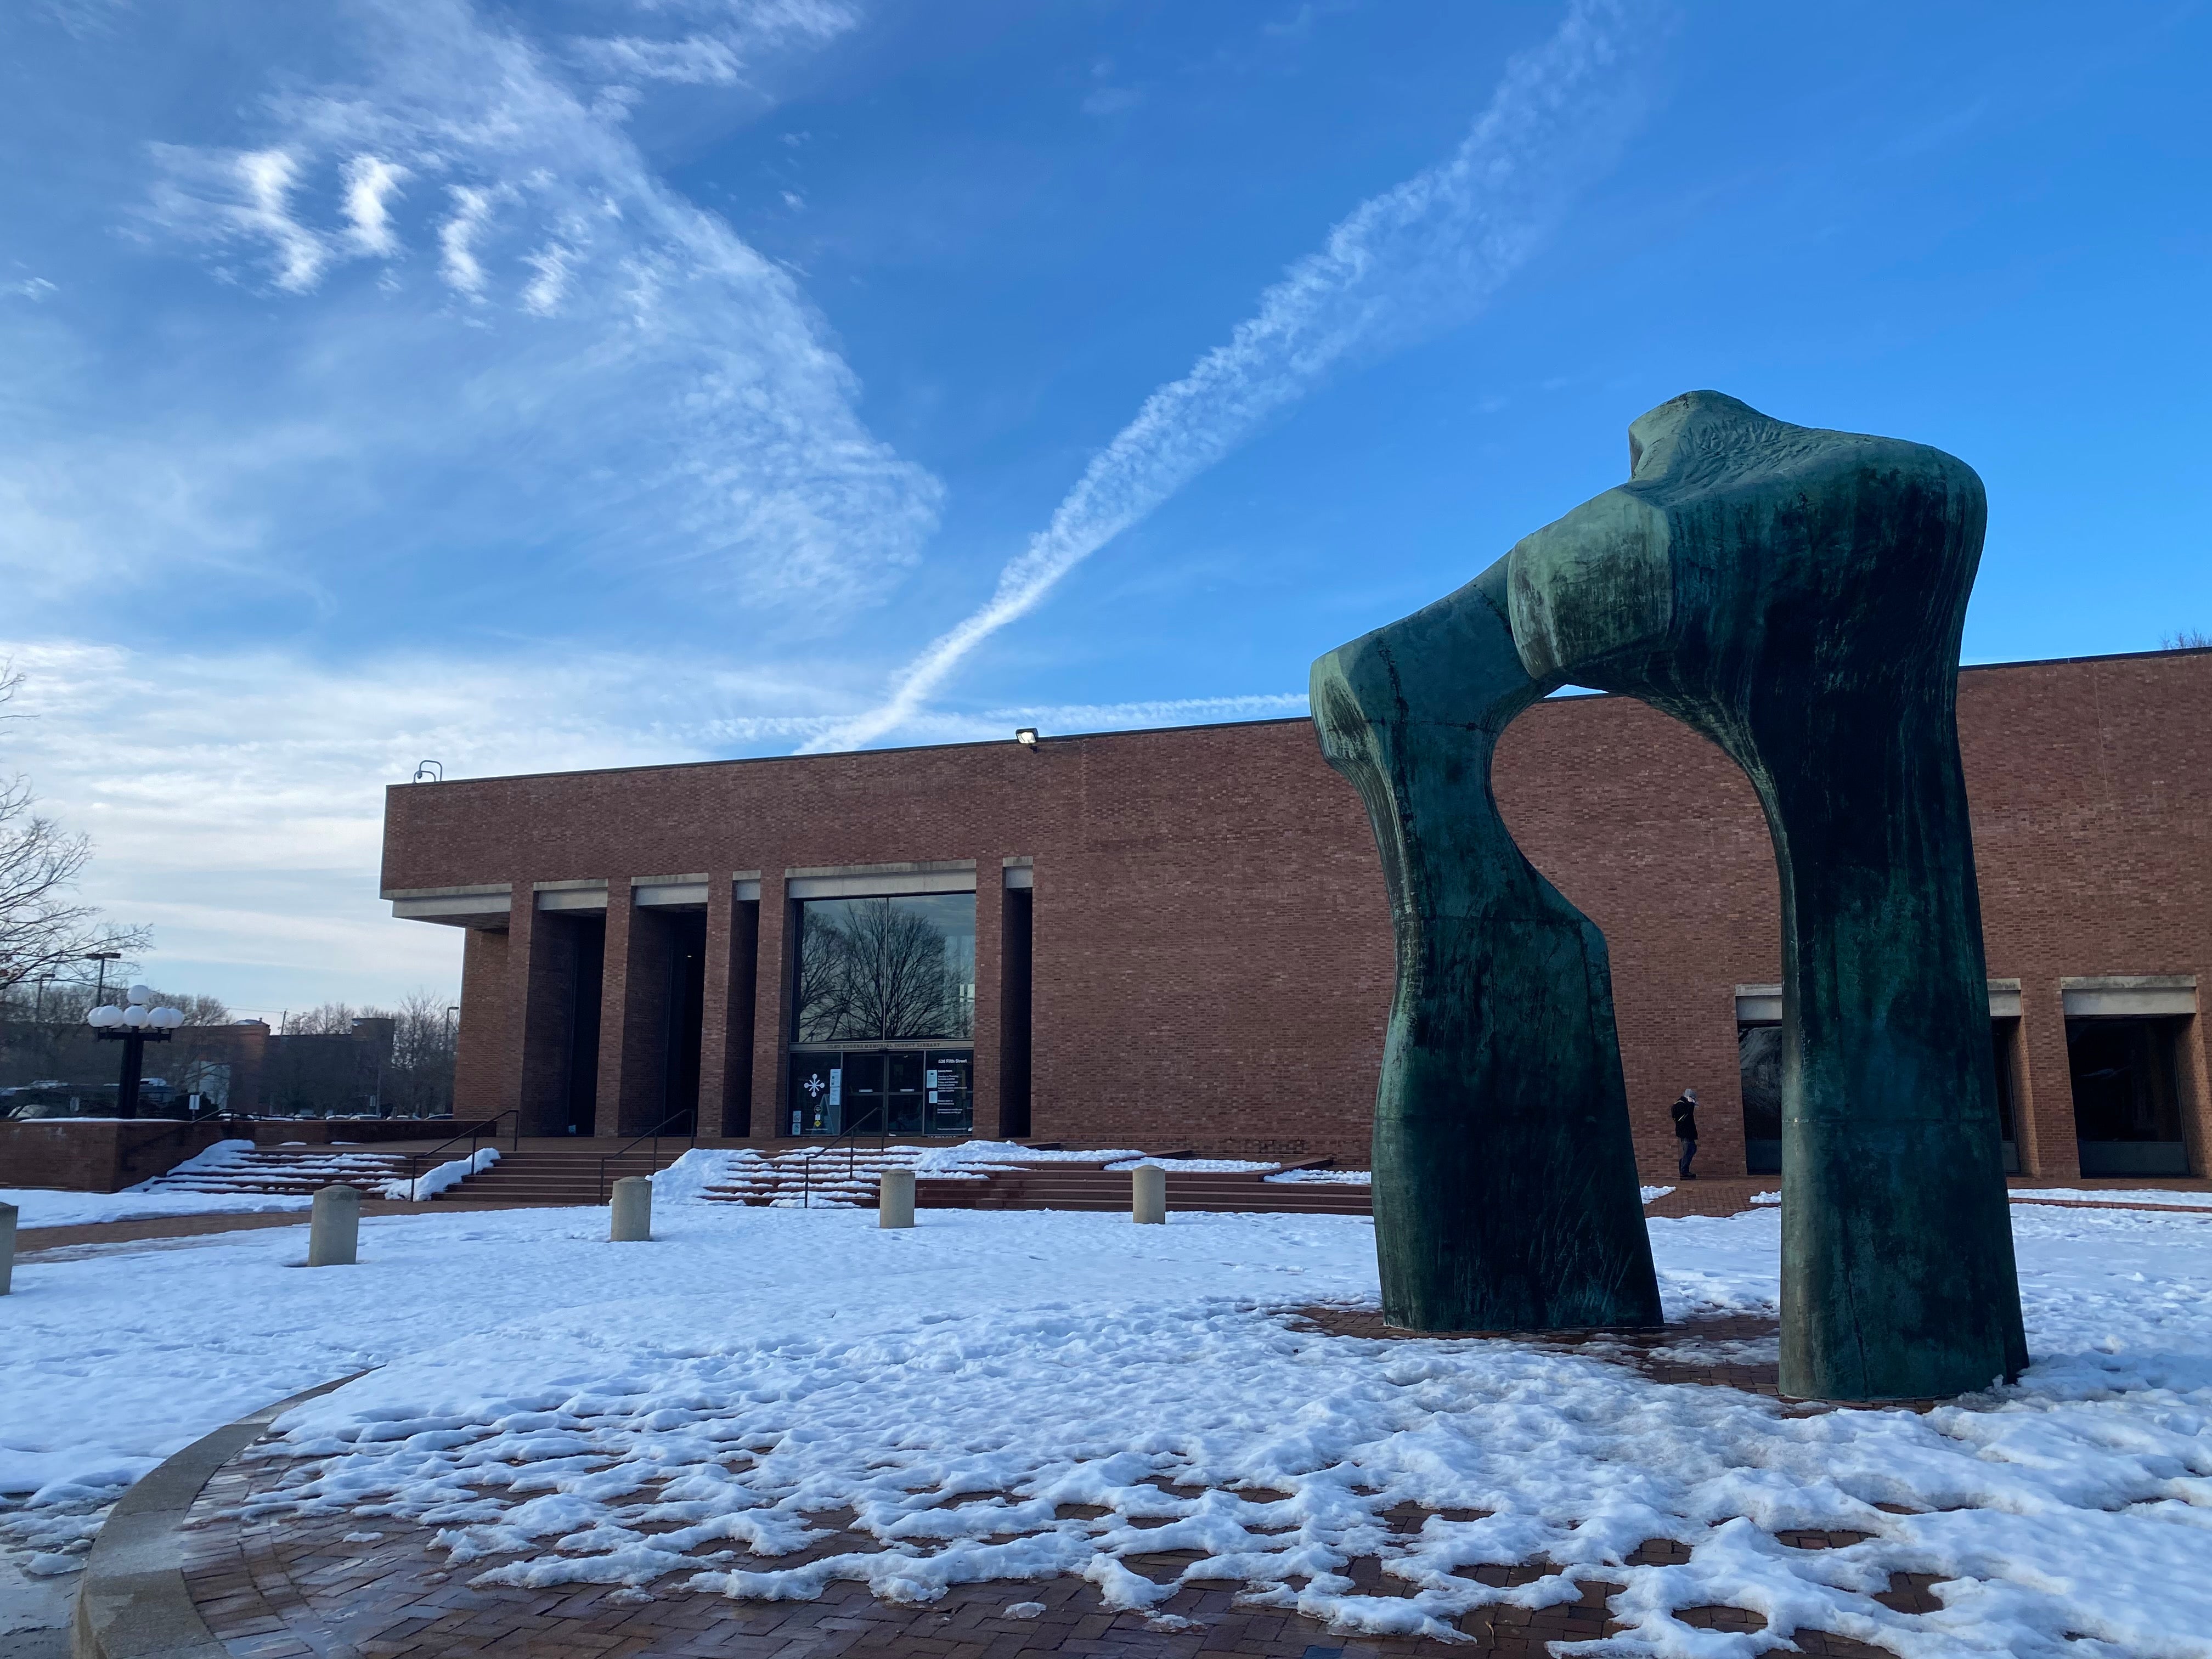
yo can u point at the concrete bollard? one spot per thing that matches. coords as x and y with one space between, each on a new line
334 1229
7 1246
1148 1193
629 1220
895 1199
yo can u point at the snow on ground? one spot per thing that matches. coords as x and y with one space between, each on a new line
1341 1177
439 1177
40 1207
1196 1165
556 1404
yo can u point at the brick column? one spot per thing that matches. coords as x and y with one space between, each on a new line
633 1018
990 918
530 1063
725 1060
481 1033
2048 1147
2193 1079
774 956
714 1007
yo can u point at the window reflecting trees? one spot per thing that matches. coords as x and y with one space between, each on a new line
886 970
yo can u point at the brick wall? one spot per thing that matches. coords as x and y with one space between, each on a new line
1211 960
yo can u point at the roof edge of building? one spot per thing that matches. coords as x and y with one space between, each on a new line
1574 694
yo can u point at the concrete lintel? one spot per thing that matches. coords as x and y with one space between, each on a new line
668 892
2125 996
571 895
1020 877
133 1601
881 880
472 889
1761 1005
463 909
2130 982
746 884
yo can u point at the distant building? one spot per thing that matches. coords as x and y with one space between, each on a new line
1178 938
242 1068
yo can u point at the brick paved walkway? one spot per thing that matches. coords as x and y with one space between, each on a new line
274 1585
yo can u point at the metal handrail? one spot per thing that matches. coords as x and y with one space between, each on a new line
850 1140
653 1135
421 1163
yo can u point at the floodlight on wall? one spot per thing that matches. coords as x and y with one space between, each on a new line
1026 736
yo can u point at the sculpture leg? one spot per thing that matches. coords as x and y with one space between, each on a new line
1897 1273
1797 596
1506 1184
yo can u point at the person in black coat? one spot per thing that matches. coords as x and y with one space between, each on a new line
1684 1113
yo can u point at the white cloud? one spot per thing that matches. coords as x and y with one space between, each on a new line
1412 261
719 55
677 392
31 288
371 182
543 296
226 197
458 262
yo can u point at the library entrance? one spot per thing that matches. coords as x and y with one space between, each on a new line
894 1091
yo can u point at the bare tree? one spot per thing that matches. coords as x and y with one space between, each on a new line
871 970
197 1008
331 1019
2188 639
419 1082
45 927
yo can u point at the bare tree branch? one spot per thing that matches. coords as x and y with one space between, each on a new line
45 928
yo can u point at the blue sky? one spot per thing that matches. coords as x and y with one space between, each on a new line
627 380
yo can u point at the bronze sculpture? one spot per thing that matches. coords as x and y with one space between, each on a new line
1795 595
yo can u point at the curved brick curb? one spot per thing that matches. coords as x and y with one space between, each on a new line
132 1602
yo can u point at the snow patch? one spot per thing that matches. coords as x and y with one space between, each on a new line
441 1178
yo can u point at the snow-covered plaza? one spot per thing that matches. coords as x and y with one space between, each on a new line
1022 1396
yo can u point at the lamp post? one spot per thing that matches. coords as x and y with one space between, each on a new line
103 957
134 1026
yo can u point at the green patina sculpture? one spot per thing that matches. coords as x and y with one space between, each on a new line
1506 1187
1797 596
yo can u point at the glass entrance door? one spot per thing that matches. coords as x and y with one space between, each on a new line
881 1091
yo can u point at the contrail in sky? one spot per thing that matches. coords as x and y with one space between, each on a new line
1411 262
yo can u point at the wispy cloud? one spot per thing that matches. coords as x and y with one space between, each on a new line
229 196
1416 259
680 395
458 262
738 32
371 182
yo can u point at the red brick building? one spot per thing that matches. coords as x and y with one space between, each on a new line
1178 938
